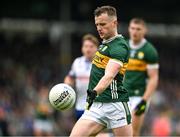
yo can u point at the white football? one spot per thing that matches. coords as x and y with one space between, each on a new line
62 97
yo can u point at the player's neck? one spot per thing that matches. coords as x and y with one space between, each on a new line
88 59
115 34
137 45
137 42
111 37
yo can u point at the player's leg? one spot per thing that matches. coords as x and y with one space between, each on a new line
137 122
84 127
37 132
123 131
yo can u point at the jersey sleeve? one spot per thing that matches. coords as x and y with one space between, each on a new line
152 58
119 53
72 72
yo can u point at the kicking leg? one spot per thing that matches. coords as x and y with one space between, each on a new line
85 127
123 131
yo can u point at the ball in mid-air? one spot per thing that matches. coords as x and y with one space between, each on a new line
62 97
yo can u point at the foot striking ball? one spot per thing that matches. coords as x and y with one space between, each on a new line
62 97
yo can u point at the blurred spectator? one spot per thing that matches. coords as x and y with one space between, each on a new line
161 125
4 131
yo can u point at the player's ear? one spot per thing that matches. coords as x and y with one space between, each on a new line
129 28
82 49
145 30
115 22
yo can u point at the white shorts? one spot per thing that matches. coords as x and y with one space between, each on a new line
134 101
110 115
43 125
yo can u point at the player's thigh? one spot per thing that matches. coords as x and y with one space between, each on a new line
137 122
123 131
85 127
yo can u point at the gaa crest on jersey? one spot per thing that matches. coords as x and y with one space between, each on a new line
136 91
100 47
140 55
104 48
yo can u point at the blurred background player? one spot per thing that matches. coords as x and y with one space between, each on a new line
141 77
78 76
43 124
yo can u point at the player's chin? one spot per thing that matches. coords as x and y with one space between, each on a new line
89 56
101 36
135 38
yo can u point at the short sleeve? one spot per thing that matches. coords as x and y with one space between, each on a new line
152 58
120 53
72 72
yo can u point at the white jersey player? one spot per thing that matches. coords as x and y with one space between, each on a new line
80 71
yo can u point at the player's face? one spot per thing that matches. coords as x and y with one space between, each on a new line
137 32
89 49
106 26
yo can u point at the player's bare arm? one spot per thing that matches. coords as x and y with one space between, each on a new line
153 75
69 80
150 89
111 71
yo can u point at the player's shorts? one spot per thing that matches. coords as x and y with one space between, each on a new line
110 115
43 125
134 101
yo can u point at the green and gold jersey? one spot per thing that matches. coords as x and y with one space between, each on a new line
116 49
142 57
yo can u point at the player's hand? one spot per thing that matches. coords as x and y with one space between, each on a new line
140 108
91 95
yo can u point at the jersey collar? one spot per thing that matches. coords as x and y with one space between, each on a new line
86 60
137 46
111 39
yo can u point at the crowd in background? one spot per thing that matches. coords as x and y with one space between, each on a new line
29 69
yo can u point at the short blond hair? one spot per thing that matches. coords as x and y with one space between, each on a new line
91 38
111 11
